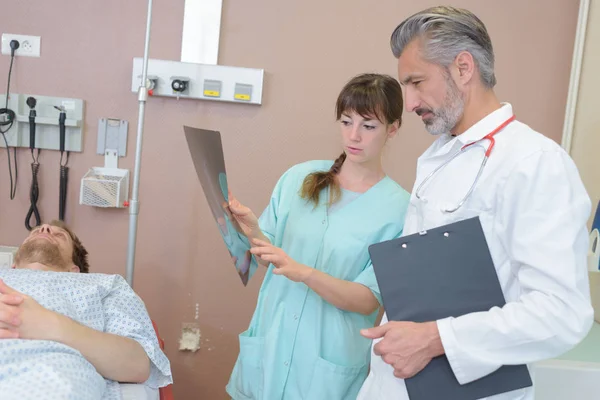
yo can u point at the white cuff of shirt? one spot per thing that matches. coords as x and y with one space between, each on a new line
450 347
467 365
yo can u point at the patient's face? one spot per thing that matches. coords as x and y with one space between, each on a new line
47 248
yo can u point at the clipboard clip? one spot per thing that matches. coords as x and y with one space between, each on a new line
423 233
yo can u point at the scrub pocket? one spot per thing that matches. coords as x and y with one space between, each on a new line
335 382
249 374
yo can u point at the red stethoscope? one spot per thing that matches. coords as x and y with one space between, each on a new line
490 137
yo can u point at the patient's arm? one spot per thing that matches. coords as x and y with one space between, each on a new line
114 357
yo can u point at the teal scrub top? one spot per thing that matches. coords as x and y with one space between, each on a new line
298 346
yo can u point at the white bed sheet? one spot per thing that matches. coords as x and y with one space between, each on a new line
130 391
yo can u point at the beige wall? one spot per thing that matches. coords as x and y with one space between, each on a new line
585 147
308 50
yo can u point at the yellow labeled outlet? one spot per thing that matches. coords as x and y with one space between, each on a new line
242 96
212 93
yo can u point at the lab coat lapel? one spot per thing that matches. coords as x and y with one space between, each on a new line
440 148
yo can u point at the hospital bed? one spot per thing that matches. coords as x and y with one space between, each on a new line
138 392
131 391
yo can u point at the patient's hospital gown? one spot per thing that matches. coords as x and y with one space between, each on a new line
39 369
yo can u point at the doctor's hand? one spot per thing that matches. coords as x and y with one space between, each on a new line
406 346
24 318
284 264
244 218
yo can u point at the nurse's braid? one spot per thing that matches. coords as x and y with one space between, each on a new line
317 181
337 165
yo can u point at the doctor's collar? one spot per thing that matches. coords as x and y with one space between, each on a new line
486 124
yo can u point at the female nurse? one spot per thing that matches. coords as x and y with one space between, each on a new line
320 290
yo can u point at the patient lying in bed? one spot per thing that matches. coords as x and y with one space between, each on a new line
67 334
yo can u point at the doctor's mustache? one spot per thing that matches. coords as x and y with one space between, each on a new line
421 111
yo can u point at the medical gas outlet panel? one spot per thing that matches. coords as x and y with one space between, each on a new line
199 81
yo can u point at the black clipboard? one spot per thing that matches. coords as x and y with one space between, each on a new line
446 271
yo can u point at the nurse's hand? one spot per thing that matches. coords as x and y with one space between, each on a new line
284 264
244 217
406 346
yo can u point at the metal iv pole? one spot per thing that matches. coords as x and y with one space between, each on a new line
134 202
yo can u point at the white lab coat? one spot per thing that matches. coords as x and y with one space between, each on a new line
534 209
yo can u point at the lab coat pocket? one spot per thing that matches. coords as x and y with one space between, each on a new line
335 382
476 210
473 207
249 376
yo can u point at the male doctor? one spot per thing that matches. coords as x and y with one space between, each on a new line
530 200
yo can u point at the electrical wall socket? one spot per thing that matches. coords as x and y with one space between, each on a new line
29 46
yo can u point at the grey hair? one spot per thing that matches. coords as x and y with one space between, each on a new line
447 32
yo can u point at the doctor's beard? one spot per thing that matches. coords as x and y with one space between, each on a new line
447 116
42 252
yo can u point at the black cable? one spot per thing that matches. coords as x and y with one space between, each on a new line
10 117
36 159
64 177
10 114
62 201
33 196
64 170
34 192
61 159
